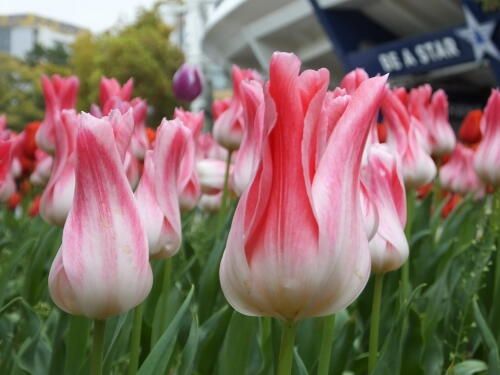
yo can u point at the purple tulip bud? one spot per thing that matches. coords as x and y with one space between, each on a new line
187 83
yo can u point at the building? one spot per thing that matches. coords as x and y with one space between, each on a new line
450 43
20 33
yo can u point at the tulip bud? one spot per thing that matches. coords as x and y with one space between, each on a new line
173 140
187 83
353 79
487 159
211 173
404 138
162 244
389 247
246 161
469 131
43 167
57 196
441 134
110 88
102 267
210 202
229 127
458 174
297 246
58 93
7 184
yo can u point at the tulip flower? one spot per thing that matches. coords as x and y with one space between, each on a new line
207 148
102 267
389 247
7 185
487 159
246 162
220 106
419 101
404 138
191 192
353 79
59 93
369 210
110 88
211 173
402 95
187 83
441 134
173 141
43 167
162 242
470 131
210 202
57 197
297 246
458 174
228 128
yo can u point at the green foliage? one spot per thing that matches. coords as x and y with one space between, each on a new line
20 95
56 55
444 327
140 50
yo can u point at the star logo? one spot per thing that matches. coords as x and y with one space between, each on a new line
479 36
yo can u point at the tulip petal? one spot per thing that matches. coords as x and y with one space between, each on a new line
104 243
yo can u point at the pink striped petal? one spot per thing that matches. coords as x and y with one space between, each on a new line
104 244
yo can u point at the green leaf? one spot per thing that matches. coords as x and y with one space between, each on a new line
190 349
240 337
299 364
489 341
469 367
76 343
157 360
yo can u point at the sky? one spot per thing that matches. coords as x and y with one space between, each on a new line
96 15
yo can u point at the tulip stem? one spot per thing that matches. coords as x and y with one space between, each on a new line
286 348
326 345
436 187
375 322
97 347
405 270
225 193
135 345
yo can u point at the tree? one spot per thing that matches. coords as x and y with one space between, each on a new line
20 95
141 50
57 55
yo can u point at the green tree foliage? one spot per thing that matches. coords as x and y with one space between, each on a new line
140 50
57 55
20 96
20 93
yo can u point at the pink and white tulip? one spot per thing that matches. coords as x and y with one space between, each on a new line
43 167
487 159
7 184
228 128
458 174
442 137
102 267
404 139
389 247
247 159
59 93
297 246
172 142
57 196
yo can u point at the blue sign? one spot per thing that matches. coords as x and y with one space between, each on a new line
474 41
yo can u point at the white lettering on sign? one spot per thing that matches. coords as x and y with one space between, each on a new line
422 54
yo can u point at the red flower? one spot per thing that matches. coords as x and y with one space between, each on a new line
470 131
